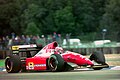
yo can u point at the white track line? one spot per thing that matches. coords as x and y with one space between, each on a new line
115 68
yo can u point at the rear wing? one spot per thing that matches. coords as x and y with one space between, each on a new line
24 48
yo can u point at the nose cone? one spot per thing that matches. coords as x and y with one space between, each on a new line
89 62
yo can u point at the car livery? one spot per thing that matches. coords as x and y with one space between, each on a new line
51 58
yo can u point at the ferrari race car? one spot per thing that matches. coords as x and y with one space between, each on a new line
51 58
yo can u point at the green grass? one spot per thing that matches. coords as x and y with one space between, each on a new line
2 63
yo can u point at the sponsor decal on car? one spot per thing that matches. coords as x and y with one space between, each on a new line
39 65
30 65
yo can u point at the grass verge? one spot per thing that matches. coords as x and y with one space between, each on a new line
2 63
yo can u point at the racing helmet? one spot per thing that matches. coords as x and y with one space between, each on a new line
59 50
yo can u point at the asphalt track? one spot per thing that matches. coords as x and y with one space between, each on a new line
79 74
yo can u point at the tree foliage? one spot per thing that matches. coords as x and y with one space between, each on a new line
32 29
84 19
64 20
111 19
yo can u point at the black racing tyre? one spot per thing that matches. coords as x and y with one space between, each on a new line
56 63
98 57
13 64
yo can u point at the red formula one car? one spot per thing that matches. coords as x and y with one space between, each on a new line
51 58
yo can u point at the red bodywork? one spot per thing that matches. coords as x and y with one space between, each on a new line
39 61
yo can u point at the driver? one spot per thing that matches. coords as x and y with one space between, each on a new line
59 50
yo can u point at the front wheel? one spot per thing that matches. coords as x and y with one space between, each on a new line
13 64
99 58
56 62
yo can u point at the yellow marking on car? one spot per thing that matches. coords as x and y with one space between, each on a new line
15 47
31 65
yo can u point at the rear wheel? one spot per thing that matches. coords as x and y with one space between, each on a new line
13 64
56 62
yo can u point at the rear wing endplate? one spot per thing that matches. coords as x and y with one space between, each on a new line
24 48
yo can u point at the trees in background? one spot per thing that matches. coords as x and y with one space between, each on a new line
85 19
111 19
